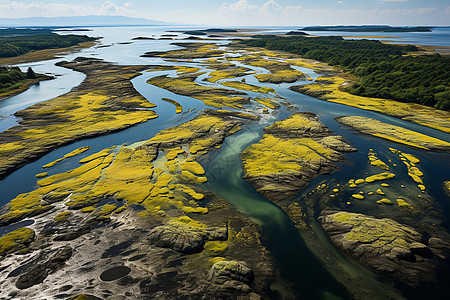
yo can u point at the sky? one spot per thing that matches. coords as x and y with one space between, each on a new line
245 12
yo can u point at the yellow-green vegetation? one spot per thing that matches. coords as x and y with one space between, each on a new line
17 240
385 184
274 155
380 192
385 201
40 175
375 161
383 232
190 51
73 153
186 70
359 181
446 186
133 175
45 54
279 71
394 133
270 103
358 196
187 86
381 176
226 70
215 247
178 107
87 209
103 102
403 203
331 89
174 152
65 215
248 87
278 76
193 167
413 171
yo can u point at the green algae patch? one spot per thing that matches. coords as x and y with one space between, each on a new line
380 192
40 175
381 176
195 179
193 167
269 103
226 71
64 216
248 87
17 240
174 152
71 154
375 161
446 186
87 209
178 107
291 155
385 201
215 247
403 203
186 86
394 133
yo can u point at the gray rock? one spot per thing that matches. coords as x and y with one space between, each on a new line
382 244
184 238
230 276
48 262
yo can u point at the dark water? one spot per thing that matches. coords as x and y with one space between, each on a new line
310 279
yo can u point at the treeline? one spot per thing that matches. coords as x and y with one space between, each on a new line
16 45
12 78
385 71
368 28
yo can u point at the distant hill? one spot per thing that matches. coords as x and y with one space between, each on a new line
78 21
367 28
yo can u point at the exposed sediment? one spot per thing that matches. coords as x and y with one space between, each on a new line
104 102
394 133
290 154
133 221
330 88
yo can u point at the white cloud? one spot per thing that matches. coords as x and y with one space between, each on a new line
10 8
273 13
112 7
239 7
270 7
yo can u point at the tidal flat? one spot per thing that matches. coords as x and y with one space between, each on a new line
151 218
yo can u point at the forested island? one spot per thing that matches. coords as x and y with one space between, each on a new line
368 28
14 42
18 41
384 70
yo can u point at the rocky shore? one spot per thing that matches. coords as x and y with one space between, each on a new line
104 102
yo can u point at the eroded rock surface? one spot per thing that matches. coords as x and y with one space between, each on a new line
184 238
230 276
385 245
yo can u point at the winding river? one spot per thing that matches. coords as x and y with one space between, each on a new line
223 167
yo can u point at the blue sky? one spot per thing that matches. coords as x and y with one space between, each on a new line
245 12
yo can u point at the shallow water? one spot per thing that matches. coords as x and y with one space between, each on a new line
223 167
